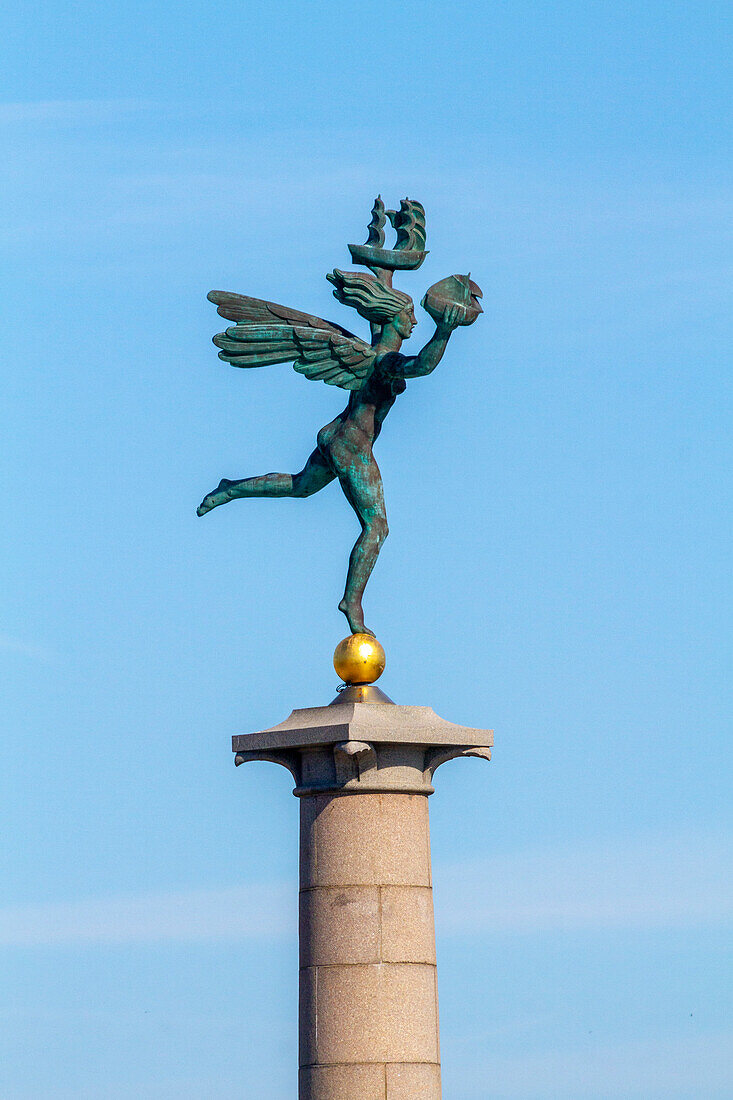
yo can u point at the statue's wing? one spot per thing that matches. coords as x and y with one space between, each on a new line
267 333
255 311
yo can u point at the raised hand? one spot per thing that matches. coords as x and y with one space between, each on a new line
453 316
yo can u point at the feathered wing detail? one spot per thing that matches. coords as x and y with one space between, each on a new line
267 333
255 311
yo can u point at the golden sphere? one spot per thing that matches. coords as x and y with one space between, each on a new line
359 659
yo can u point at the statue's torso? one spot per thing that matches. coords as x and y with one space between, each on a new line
367 407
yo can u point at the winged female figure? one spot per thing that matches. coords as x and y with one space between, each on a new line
375 373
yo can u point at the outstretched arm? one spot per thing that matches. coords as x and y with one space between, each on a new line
413 366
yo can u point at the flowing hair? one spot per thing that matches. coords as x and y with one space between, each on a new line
376 302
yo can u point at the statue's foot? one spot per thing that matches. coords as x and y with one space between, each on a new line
355 617
220 495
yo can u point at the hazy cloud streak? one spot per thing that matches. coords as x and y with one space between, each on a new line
642 883
636 884
26 649
239 912
69 110
682 1067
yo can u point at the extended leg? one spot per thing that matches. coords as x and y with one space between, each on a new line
362 485
314 476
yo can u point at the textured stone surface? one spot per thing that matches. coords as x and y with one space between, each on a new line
362 924
369 839
340 924
308 1017
308 815
362 722
368 988
392 1081
362 747
382 1013
359 1082
368 979
407 924
413 1082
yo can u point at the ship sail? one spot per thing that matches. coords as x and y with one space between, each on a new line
377 224
408 251
409 221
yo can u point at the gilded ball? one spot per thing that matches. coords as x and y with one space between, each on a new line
359 659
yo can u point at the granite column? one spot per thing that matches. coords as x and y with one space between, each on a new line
368 983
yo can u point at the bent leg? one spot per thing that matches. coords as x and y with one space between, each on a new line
315 475
362 485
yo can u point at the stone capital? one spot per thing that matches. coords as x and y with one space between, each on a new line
358 747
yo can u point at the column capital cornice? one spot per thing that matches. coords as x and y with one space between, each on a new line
358 747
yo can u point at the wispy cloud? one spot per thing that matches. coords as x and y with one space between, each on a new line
636 885
639 883
240 912
69 110
26 649
681 1067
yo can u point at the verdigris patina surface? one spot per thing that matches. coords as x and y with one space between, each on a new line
374 372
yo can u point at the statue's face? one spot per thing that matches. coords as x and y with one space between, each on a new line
405 322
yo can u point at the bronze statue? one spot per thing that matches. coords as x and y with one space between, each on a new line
374 373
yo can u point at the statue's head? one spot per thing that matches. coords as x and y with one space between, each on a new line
405 322
379 304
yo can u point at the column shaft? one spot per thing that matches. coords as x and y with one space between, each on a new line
368 987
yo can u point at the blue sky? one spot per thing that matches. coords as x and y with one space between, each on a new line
558 565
